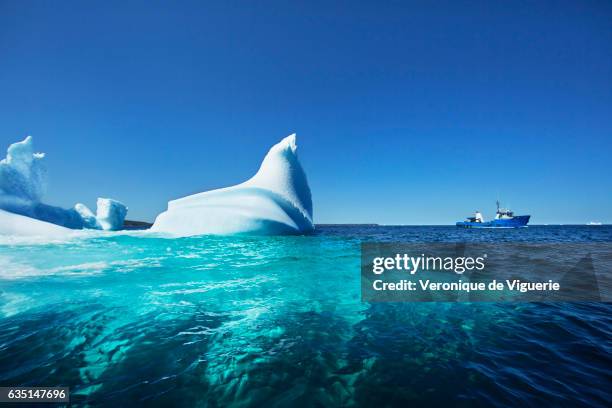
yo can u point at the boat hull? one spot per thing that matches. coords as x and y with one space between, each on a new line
515 222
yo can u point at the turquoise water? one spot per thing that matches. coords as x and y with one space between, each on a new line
245 321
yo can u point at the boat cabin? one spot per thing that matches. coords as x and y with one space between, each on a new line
503 213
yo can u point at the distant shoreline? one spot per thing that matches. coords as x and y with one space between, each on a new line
136 225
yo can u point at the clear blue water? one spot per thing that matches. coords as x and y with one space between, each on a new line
247 321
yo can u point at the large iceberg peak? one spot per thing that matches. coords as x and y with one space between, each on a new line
22 172
282 173
276 200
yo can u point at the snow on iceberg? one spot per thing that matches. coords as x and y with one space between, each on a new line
276 201
23 184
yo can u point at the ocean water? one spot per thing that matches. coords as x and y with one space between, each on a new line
133 319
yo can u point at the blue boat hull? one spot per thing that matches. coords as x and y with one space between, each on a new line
515 222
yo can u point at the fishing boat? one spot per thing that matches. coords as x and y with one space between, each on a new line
504 218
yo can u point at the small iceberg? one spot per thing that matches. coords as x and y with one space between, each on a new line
275 201
22 187
110 214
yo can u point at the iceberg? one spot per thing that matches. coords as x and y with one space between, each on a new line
275 201
110 214
22 187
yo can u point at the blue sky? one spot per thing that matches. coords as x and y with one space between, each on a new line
406 112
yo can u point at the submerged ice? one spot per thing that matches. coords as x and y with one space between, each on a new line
276 200
22 187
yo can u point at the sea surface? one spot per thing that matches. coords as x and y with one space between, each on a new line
130 319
